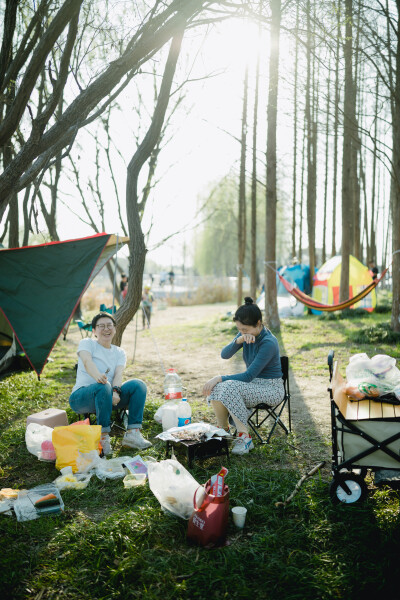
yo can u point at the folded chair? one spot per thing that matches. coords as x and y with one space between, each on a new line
273 412
119 418
84 327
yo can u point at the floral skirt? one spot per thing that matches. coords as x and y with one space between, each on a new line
239 397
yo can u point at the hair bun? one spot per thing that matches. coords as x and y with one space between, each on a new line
248 300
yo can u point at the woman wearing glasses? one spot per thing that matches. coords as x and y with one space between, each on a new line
99 386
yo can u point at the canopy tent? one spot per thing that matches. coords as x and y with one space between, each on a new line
40 288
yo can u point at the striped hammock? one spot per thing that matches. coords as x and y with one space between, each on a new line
311 303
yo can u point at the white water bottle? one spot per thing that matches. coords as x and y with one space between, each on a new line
172 385
184 413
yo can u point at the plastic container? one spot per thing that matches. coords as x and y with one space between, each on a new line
184 413
172 385
170 417
134 479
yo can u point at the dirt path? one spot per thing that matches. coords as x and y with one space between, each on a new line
309 396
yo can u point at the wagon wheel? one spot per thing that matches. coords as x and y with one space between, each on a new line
348 488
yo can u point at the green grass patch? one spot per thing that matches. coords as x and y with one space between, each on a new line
116 543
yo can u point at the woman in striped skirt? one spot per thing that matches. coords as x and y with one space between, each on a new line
233 396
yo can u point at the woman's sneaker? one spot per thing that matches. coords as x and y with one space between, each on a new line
243 444
134 439
105 444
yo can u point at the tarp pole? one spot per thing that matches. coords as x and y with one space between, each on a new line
115 275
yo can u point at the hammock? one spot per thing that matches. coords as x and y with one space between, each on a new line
311 303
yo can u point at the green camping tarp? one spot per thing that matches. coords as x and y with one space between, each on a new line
40 287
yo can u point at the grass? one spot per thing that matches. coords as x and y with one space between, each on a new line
116 543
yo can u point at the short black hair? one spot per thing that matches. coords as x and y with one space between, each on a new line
99 316
249 313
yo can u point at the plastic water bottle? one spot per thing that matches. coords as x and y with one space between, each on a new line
184 413
172 385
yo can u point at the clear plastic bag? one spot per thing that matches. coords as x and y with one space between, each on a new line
24 505
371 377
35 435
173 486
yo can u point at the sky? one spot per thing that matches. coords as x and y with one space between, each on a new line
202 148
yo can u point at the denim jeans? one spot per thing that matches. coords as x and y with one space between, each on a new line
98 398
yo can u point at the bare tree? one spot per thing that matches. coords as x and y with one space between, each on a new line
242 191
271 304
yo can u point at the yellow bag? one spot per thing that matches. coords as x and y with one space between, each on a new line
69 439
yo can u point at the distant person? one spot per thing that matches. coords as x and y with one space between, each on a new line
171 277
163 279
123 287
151 279
99 386
147 306
373 269
232 396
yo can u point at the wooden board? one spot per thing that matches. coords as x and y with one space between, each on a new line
363 410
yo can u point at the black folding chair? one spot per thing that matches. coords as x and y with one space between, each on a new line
120 418
273 412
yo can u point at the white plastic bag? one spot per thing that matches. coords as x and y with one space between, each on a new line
371 377
173 486
35 434
111 468
159 412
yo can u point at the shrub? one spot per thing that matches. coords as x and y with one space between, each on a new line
94 296
208 292
381 333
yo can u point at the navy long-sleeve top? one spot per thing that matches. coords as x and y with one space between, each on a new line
262 358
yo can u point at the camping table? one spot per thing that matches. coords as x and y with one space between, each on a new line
200 450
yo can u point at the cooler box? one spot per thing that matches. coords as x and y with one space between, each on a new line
51 417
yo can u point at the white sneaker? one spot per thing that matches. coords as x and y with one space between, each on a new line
134 439
105 444
243 444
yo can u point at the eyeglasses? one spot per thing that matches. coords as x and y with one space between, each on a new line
107 326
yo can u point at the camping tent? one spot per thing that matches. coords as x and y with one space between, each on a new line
288 306
326 284
40 287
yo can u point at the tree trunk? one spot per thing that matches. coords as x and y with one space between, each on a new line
137 248
395 183
242 192
311 151
253 270
346 159
335 131
327 130
296 58
271 304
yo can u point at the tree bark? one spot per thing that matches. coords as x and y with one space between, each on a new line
253 268
347 155
395 183
137 248
271 304
242 192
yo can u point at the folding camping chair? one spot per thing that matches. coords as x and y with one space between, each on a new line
273 412
120 418
84 327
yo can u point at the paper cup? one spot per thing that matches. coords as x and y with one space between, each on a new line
239 516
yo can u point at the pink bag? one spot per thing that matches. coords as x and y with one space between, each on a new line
208 523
